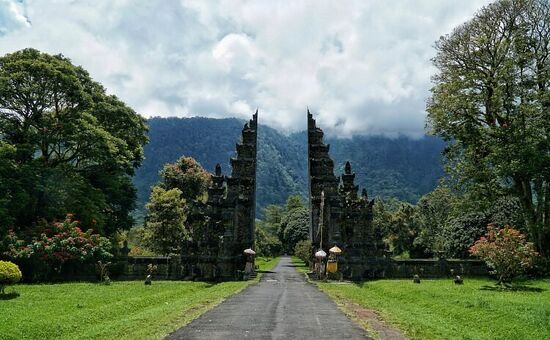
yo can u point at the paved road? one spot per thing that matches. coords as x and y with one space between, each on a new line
282 306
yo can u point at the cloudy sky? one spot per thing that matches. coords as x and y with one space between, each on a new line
362 67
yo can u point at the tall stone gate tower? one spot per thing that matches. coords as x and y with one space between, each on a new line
339 215
230 216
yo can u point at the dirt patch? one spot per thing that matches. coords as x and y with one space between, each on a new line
370 319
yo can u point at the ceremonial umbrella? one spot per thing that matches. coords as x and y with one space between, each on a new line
335 250
320 254
249 252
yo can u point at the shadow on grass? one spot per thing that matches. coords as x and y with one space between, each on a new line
9 296
512 288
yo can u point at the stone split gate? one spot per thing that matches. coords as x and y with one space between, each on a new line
230 217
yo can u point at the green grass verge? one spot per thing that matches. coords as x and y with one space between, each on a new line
266 263
301 267
439 309
127 310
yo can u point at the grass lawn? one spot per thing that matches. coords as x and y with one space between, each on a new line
125 309
439 309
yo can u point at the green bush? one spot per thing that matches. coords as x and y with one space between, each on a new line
302 250
9 274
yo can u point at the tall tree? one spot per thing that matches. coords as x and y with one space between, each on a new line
294 223
433 211
188 176
164 225
74 147
491 101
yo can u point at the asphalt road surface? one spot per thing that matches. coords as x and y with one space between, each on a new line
282 306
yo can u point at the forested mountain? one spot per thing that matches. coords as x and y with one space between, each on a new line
401 167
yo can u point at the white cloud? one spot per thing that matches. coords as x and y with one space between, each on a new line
12 16
361 66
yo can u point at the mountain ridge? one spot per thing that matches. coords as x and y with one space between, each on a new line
400 167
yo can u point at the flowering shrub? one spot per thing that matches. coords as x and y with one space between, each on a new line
59 243
506 251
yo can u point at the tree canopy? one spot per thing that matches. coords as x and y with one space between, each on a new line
491 101
66 145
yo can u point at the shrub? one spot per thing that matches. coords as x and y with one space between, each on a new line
9 274
302 250
57 244
506 251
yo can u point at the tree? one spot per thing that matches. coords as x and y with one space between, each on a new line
506 251
294 228
462 231
266 243
289 223
403 230
433 212
491 101
188 176
273 214
294 202
165 221
73 148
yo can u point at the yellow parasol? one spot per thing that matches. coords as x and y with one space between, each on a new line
335 250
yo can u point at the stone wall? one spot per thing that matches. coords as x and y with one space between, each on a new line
171 268
434 268
135 268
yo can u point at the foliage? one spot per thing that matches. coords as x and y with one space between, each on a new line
302 250
65 145
188 176
401 230
283 226
294 223
463 227
433 211
9 274
506 251
461 232
296 228
267 243
58 243
139 251
137 241
491 101
443 222
165 221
